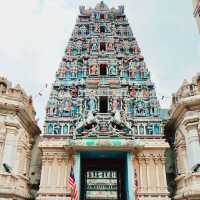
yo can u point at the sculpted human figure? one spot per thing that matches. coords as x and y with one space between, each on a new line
110 46
112 69
132 72
115 104
74 72
74 91
69 51
94 47
92 102
133 92
93 131
145 93
93 69
68 105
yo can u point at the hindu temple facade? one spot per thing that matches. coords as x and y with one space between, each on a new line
184 124
103 117
19 137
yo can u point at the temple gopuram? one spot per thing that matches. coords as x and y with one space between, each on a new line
104 129
103 118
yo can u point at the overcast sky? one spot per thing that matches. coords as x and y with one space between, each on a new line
34 34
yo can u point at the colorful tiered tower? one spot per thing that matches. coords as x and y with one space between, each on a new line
103 116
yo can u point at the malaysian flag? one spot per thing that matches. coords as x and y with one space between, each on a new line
72 185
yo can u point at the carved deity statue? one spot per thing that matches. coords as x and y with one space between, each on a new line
93 69
92 103
140 109
145 93
74 91
93 131
115 104
74 72
61 72
83 30
110 46
68 105
69 51
94 47
112 69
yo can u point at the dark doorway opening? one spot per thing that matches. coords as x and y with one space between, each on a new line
102 46
103 104
103 178
103 69
102 29
102 16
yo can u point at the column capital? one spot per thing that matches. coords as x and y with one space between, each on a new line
50 159
44 159
163 160
141 160
156 160
147 160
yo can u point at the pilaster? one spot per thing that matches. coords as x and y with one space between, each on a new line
192 141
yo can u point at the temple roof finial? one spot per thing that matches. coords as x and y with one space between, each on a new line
101 6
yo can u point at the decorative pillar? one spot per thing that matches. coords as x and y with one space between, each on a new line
9 156
43 173
130 175
156 161
77 170
184 157
143 180
164 175
138 129
50 173
2 143
59 171
145 129
147 162
192 142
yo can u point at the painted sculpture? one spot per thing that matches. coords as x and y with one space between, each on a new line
102 59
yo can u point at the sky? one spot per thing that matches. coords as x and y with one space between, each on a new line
34 34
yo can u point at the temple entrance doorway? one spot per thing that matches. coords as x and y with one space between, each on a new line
103 176
103 104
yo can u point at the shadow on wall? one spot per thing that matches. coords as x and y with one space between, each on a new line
170 162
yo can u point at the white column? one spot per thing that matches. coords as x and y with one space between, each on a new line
156 161
130 175
10 149
192 144
147 162
164 174
77 171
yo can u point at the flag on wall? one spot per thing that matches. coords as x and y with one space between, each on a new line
72 185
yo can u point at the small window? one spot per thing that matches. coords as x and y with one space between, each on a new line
102 29
65 129
102 16
103 104
156 129
102 46
103 69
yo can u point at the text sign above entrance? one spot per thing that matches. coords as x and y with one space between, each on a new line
101 185
104 143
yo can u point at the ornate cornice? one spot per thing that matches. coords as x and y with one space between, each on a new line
24 117
178 113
